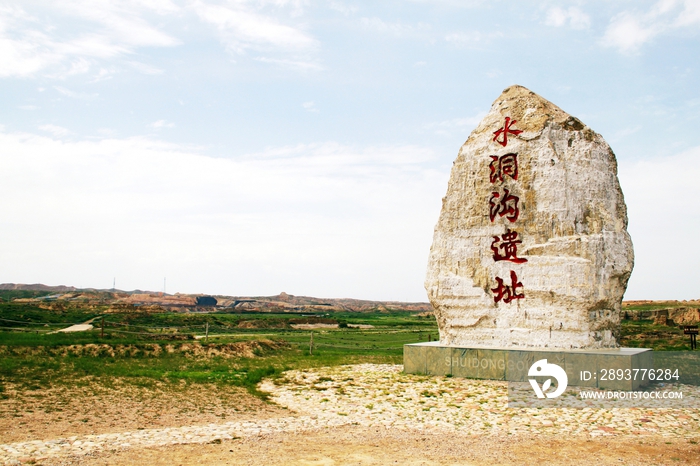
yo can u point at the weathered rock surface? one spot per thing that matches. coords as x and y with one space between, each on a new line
531 248
670 316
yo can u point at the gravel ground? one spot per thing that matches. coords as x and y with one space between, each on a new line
331 410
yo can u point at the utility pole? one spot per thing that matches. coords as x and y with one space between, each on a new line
206 332
311 345
102 332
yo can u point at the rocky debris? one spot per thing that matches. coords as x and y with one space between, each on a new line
692 302
661 319
313 326
162 299
670 316
684 316
381 396
262 323
531 248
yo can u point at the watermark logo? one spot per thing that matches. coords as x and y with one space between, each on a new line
542 368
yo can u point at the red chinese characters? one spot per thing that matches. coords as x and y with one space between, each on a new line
504 206
508 244
505 165
507 293
505 131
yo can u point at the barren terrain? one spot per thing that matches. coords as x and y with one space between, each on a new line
364 414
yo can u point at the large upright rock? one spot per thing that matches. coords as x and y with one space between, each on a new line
531 248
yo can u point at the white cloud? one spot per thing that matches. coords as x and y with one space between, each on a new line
145 68
75 95
31 44
28 107
122 22
454 3
624 133
55 130
352 222
471 38
162 7
690 15
346 10
663 217
69 37
79 66
241 27
103 75
629 30
107 132
462 125
310 107
576 18
395 28
298 65
249 25
161 124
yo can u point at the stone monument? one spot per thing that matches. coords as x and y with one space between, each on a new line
531 249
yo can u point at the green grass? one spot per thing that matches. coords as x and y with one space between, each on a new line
9 295
229 322
46 370
11 314
43 338
645 334
43 370
653 306
30 359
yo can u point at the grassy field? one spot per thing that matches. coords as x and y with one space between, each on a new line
240 348
646 334
145 348
651 306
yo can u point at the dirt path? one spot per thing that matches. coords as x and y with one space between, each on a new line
356 445
85 326
365 414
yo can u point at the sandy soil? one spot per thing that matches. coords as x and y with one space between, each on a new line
91 408
377 446
75 328
95 409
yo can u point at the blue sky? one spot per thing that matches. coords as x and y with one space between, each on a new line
248 147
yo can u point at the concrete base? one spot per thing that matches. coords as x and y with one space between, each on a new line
513 364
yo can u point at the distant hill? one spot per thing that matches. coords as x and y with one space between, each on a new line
121 301
36 287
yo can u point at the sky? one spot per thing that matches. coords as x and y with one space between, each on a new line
250 147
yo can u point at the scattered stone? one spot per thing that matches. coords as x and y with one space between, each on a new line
383 397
